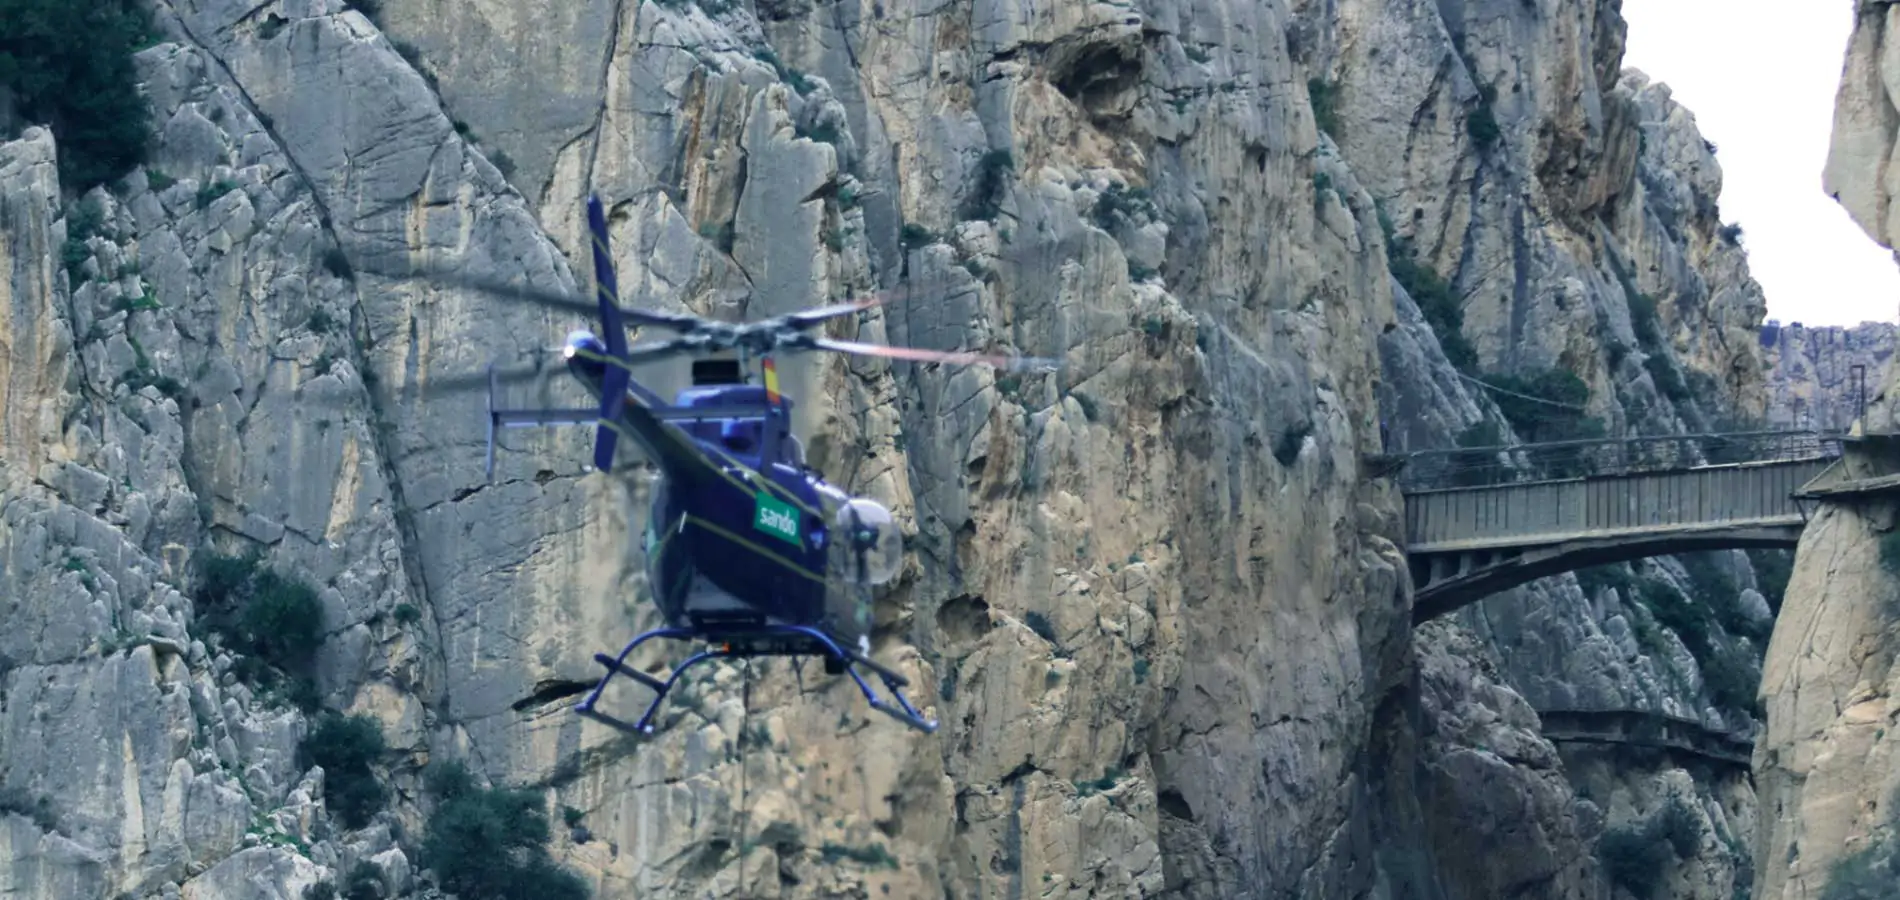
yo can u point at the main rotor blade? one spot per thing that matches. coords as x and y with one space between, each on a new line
509 375
645 352
556 299
804 319
810 317
918 354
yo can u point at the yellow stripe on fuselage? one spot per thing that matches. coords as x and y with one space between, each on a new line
754 547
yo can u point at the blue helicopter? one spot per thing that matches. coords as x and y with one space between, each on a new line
747 548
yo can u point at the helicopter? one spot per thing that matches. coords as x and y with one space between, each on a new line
748 549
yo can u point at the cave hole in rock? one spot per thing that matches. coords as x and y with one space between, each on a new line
965 617
550 691
1100 73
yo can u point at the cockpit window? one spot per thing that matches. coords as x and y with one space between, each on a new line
741 435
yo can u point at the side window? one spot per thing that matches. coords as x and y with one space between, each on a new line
657 518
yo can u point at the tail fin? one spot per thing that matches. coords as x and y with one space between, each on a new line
613 388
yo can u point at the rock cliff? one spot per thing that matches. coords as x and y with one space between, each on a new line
1586 240
1812 376
1157 599
1826 764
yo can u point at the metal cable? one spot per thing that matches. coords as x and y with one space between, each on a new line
1492 387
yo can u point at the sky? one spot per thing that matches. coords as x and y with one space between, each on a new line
1760 79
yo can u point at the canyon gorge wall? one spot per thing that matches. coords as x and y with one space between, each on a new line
1826 766
1158 598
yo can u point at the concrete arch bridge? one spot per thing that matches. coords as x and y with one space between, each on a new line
1483 520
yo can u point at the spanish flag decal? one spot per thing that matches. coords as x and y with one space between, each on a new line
771 381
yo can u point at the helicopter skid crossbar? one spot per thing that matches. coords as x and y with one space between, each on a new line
757 640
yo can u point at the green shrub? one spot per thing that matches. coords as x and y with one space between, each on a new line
1120 202
273 622
1633 859
1870 873
986 196
1662 370
1324 96
492 843
70 66
39 809
873 855
1731 681
1676 612
913 236
365 883
1634 855
1287 448
347 748
1482 124
1890 552
1712 584
1676 823
1475 468
82 223
1442 309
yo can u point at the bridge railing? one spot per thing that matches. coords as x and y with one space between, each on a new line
1467 467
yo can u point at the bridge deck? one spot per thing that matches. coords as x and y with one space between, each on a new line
1517 515
1467 542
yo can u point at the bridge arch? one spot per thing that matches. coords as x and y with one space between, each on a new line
1448 582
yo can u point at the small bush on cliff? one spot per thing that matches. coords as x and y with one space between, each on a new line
272 621
1890 552
69 66
1442 308
1870 873
346 748
1633 860
1634 854
492 842
1482 124
1324 95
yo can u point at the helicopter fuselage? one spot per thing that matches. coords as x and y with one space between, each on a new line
738 535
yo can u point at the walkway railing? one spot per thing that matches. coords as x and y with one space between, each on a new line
1450 469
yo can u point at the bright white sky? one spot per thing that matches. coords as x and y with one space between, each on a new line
1760 79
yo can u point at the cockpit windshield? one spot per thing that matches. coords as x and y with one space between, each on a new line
874 550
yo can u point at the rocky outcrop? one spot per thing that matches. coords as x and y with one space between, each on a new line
1157 599
1819 376
1826 765
1866 113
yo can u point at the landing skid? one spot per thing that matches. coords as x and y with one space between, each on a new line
758 640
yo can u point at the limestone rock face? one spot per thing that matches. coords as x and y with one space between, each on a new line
1812 380
1157 599
1826 766
1579 235
1493 781
1866 112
